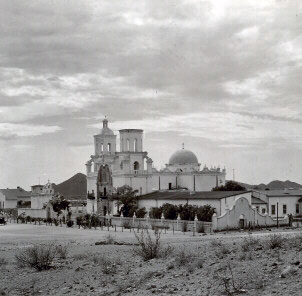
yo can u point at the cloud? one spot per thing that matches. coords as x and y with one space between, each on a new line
220 72
12 130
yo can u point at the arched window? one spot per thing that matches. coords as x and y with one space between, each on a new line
135 145
136 166
109 147
102 147
128 145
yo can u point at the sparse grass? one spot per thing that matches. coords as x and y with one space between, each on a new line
39 257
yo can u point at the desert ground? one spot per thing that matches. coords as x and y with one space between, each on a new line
102 262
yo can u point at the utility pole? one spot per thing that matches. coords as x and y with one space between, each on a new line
277 215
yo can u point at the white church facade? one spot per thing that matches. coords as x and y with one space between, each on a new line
109 169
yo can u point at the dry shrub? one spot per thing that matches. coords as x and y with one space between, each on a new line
275 241
108 265
3 262
62 251
296 242
80 257
233 281
39 257
222 250
250 244
109 240
216 243
148 248
188 259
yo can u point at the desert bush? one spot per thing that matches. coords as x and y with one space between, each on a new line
62 251
215 243
81 256
249 244
108 266
188 259
232 281
3 261
296 242
150 247
39 257
109 240
275 241
222 250
226 279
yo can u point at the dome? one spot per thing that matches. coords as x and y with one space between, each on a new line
183 157
106 131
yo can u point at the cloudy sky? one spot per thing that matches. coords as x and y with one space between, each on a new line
224 77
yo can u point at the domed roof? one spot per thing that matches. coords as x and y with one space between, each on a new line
183 156
106 131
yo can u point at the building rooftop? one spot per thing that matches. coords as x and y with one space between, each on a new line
258 201
12 194
183 157
282 192
185 194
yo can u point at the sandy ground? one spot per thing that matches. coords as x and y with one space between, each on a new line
210 264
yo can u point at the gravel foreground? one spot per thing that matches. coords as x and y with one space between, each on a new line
259 263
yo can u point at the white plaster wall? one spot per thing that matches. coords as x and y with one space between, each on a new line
229 202
205 182
38 201
186 181
105 140
132 135
2 201
290 201
34 213
242 209
10 203
140 159
91 183
91 206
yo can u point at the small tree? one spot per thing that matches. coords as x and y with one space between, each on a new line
126 200
205 213
155 213
169 211
59 203
230 186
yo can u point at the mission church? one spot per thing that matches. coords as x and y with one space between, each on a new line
109 169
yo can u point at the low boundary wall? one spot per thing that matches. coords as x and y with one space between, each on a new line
176 225
243 215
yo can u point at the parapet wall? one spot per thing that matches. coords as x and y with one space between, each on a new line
243 215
